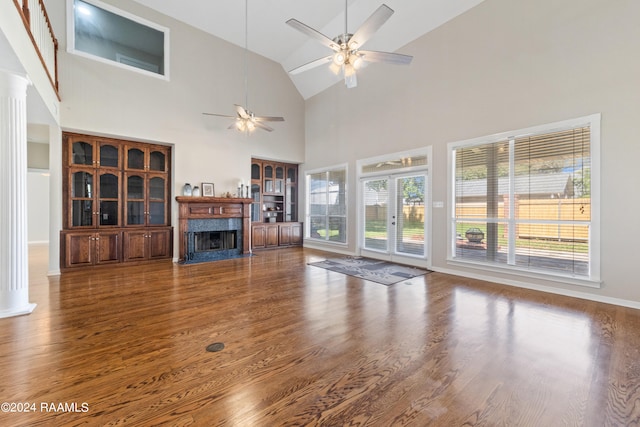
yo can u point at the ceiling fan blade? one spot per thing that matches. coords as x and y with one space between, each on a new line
370 26
313 64
314 34
268 119
387 57
219 115
263 126
242 112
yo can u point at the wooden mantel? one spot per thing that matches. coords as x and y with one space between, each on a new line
214 208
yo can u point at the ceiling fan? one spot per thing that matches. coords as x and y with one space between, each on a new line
245 120
347 56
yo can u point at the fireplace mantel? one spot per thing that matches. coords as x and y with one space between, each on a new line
204 208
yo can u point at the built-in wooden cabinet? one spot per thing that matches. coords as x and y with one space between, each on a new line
146 188
274 208
264 235
146 202
88 248
93 182
290 234
116 201
269 235
142 245
258 236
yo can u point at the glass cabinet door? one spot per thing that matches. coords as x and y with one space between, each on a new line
109 156
291 209
256 208
81 199
291 175
291 213
135 200
157 189
157 161
268 179
135 158
108 199
279 181
255 171
82 153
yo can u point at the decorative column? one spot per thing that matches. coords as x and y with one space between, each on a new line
14 267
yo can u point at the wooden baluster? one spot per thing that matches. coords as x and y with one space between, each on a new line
25 11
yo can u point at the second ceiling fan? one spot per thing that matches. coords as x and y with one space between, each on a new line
347 56
245 120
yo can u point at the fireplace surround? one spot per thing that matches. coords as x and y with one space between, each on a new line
213 228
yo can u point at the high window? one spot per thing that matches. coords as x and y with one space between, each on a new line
104 33
327 205
527 200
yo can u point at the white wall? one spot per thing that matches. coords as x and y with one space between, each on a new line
38 206
503 65
206 76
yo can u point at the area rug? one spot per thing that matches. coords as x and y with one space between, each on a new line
382 272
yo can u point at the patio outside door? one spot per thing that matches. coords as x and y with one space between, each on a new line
394 215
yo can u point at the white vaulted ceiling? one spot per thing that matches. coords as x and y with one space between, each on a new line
270 37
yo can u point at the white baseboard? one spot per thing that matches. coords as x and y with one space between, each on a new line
328 248
548 289
20 311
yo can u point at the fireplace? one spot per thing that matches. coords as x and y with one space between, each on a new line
213 228
210 241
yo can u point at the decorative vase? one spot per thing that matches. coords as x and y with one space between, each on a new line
196 191
186 190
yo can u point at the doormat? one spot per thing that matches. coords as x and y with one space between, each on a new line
383 272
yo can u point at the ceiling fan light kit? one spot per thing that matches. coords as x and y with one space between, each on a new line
245 120
347 57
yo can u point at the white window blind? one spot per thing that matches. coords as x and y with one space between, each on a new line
326 205
526 201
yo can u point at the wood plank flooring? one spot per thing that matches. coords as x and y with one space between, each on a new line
306 346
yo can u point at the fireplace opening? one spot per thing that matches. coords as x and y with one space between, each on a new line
207 241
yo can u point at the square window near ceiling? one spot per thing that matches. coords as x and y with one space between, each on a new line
104 33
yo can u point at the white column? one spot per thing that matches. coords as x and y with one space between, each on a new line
14 266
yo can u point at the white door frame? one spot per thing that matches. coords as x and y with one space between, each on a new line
361 176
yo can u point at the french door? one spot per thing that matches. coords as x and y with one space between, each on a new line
393 223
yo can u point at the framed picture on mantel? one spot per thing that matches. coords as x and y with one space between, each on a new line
208 189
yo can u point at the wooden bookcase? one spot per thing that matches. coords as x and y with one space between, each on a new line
274 207
116 201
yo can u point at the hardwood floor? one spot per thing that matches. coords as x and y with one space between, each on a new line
306 346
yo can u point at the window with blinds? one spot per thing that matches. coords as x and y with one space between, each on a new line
525 201
327 205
